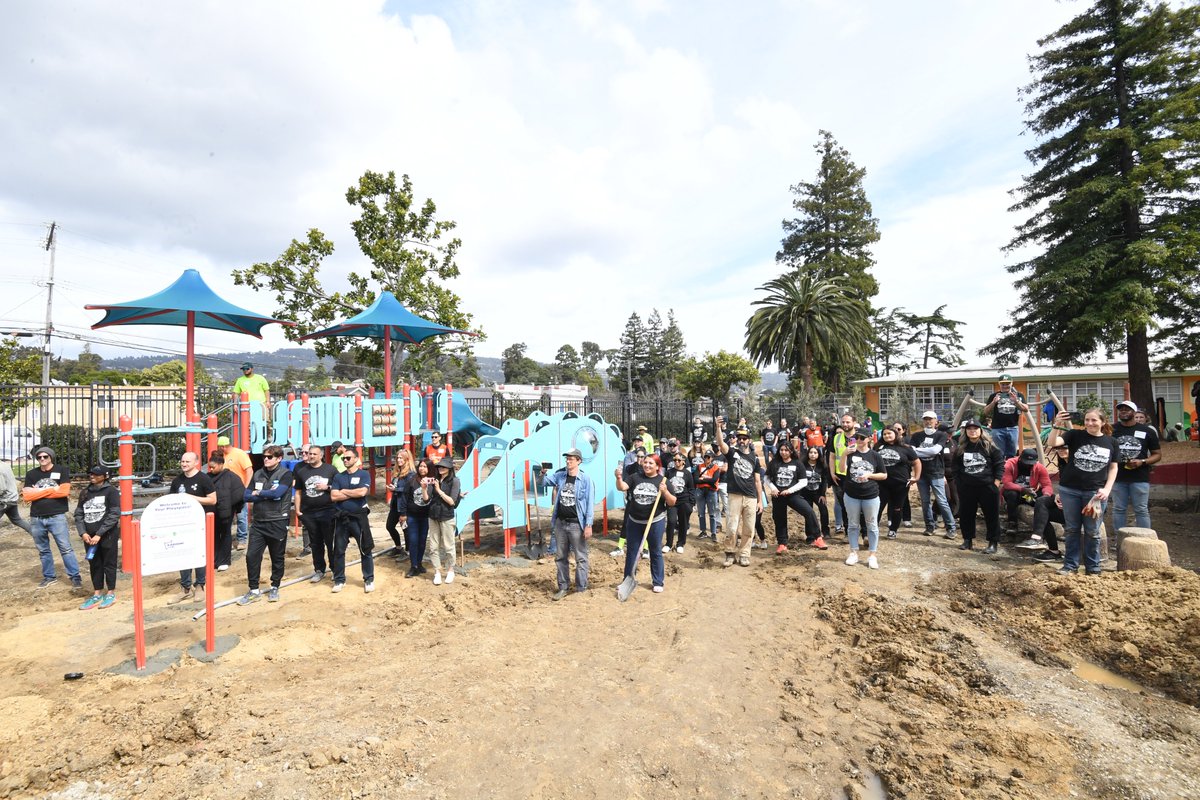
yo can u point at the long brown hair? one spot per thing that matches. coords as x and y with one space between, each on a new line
1105 426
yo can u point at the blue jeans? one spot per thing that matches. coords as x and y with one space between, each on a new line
634 546
1073 501
855 509
243 531
706 508
56 526
1006 440
938 485
1135 493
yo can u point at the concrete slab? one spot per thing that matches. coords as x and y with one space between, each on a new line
221 646
154 664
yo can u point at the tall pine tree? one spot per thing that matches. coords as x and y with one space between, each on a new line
1114 200
835 229
627 367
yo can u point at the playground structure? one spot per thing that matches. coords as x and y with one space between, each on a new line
506 471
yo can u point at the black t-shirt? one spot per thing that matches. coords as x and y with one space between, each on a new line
418 503
1087 463
898 458
199 485
931 467
815 475
307 477
680 483
978 464
740 474
785 474
565 503
698 434
39 478
722 476
640 498
768 437
859 465
1006 414
1134 441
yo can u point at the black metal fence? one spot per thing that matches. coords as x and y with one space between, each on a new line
74 421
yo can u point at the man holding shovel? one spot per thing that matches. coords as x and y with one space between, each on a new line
571 522
647 515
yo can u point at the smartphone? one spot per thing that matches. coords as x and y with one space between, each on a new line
547 466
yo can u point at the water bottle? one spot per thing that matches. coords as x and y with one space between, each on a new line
91 550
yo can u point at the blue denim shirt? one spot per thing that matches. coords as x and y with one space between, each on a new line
583 495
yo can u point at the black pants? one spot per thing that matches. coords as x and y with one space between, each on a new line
1045 511
679 517
223 540
759 530
779 508
103 564
319 527
974 497
270 535
1013 501
392 527
894 494
14 516
819 503
347 527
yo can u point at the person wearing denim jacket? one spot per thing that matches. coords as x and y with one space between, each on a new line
571 521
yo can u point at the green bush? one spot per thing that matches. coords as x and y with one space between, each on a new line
72 445
168 447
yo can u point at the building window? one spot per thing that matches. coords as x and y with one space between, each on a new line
1169 389
143 401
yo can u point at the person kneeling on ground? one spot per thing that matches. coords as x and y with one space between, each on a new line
1025 480
97 517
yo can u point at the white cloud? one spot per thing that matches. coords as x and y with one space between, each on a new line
599 158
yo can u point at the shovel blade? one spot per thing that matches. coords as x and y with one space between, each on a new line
626 588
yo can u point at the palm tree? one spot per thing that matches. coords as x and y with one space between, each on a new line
805 319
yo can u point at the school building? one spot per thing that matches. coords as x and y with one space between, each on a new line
904 397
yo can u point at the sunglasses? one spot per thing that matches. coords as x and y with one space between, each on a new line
43 457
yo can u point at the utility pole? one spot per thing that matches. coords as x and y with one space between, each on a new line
50 246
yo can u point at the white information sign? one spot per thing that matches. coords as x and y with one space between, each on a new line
172 534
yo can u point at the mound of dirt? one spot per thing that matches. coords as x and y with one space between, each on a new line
1142 624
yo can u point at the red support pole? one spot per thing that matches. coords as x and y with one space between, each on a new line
244 405
406 418
190 369
305 421
430 419
125 486
192 437
210 589
139 623
212 434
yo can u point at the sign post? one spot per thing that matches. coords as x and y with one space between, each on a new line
173 534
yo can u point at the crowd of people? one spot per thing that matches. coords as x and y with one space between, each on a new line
837 479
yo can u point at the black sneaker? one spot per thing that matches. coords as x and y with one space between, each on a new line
305 553
77 583
891 534
928 532
47 582
1048 555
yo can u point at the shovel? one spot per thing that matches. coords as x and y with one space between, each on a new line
629 584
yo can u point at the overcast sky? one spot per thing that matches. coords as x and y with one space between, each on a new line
600 158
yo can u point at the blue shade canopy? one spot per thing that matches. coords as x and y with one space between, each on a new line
386 319
172 305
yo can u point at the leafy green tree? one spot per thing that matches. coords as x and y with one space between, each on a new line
412 255
567 366
835 228
590 356
805 320
667 350
715 375
17 365
520 368
890 334
172 373
936 337
1114 198
628 364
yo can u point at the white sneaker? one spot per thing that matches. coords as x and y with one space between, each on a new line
679 549
872 562
618 553
645 554
437 579
222 568
450 576
369 587
658 589
337 587
908 523
852 559
666 549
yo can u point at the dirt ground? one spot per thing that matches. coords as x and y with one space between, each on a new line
941 675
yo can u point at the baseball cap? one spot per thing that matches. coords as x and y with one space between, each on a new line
1029 456
641 428
247 365
1128 404
741 432
1005 377
861 434
336 445
929 415
222 441
99 469
972 423
573 453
